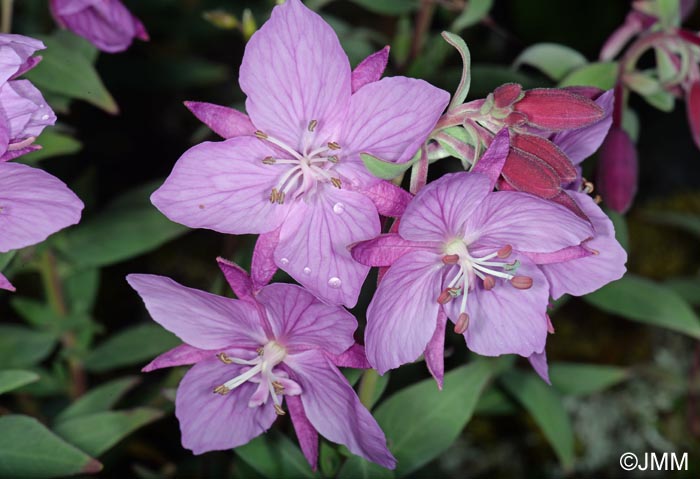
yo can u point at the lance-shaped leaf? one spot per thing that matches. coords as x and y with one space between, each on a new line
386 170
11 379
601 75
579 379
474 12
99 399
552 59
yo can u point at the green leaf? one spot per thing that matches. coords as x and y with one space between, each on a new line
545 406
274 455
485 78
669 12
473 13
36 313
384 169
661 100
620 224
329 460
76 43
128 227
66 71
21 347
53 144
28 449
600 74
421 421
81 289
98 432
388 7
100 399
357 468
685 221
372 381
11 379
580 379
687 288
465 81
552 59
493 402
643 300
133 345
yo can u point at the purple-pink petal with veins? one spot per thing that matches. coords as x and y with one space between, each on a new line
5 283
492 162
353 357
334 409
435 350
200 319
370 69
402 316
263 266
16 55
224 121
12 154
237 278
300 321
441 209
33 205
294 71
214 422
181 355
314 241
538 361
305 431
386 249
605 263
563 255
223 186
25 109
390 200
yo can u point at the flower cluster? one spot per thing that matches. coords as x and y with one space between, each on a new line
486 248
33 204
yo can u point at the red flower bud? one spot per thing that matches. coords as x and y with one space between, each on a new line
557 109
617 170
526 172
547 152
692 107
505 95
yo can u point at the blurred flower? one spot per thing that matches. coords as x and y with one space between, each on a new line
693 110
617 170
299 178
459 250
16 55
107 24
251 355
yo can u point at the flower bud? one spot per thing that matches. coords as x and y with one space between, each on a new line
617 170
692 108
557 109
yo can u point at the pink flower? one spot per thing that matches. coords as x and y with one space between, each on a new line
33 204
107 24
296 176
252 354
16 55
460 253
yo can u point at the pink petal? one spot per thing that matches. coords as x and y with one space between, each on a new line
581 143
33 205
212 422
401 318
200 319
382 123
584 275
386 249
618 170
225 122
299 321
441 209
179 356
263 266
370 69
506 320
314 243
334 409
25 110
435 351
492 161
306 434
5 283
223 186
390 200
538 361
354 357
237 278
15 53
295 71
526 223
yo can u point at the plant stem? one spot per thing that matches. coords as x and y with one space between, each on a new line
6 25
57 302
368 386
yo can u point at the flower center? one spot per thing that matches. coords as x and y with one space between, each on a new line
271 382
471 269
303 171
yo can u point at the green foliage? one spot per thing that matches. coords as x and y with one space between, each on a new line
11 379
552 59
274 455
21 347
473 13
388 7
99 399
602 75
385 169
578 379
